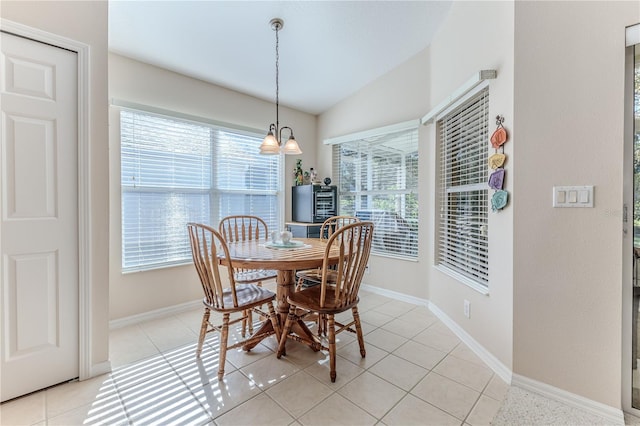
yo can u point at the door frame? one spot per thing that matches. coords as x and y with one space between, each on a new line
85 367
632 38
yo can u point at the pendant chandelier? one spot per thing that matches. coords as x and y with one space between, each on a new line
272 143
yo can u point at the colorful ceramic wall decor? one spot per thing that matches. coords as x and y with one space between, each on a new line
499 200
496 163
496 179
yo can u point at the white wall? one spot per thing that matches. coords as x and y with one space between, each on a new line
140 83
477 36
465 44
569 95
401 95
85 22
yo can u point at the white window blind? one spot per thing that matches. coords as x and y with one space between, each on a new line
463 151
245 181
174 171
378 181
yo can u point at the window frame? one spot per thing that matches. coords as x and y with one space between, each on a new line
392 247
214 193
478 281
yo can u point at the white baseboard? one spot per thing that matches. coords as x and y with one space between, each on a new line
152 315
395 295
101 368
556 394
487 357
612 414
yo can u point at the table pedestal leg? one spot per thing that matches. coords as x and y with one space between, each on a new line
266 330
286 281
285 284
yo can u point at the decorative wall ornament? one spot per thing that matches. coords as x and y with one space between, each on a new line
499 136
496 162
496 180
499 200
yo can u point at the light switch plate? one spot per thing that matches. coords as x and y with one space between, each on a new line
573 196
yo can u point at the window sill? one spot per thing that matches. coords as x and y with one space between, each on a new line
149 268
394 256
464 280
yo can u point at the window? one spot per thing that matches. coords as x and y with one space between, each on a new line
174 171
377 174
463 202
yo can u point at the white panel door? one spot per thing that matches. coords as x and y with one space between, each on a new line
39 226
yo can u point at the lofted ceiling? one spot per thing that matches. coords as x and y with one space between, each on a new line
328 49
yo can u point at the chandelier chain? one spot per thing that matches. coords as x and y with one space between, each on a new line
277 76
272 143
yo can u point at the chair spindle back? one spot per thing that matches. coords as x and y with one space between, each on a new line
331 225
353 243
206 245
243 228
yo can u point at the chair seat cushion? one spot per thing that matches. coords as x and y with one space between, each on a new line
309 299
254 275
249 295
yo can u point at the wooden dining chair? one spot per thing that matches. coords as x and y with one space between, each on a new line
338 293
311 277
247 228
226 298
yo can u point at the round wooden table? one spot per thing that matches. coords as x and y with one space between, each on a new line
257 255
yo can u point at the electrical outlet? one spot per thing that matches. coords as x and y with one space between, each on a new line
467 309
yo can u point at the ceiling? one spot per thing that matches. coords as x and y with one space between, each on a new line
328 49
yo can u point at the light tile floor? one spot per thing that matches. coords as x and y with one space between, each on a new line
416 372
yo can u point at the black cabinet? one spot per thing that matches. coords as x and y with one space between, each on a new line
313 203
304 230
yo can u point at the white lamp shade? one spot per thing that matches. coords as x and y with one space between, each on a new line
291 147
270 145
